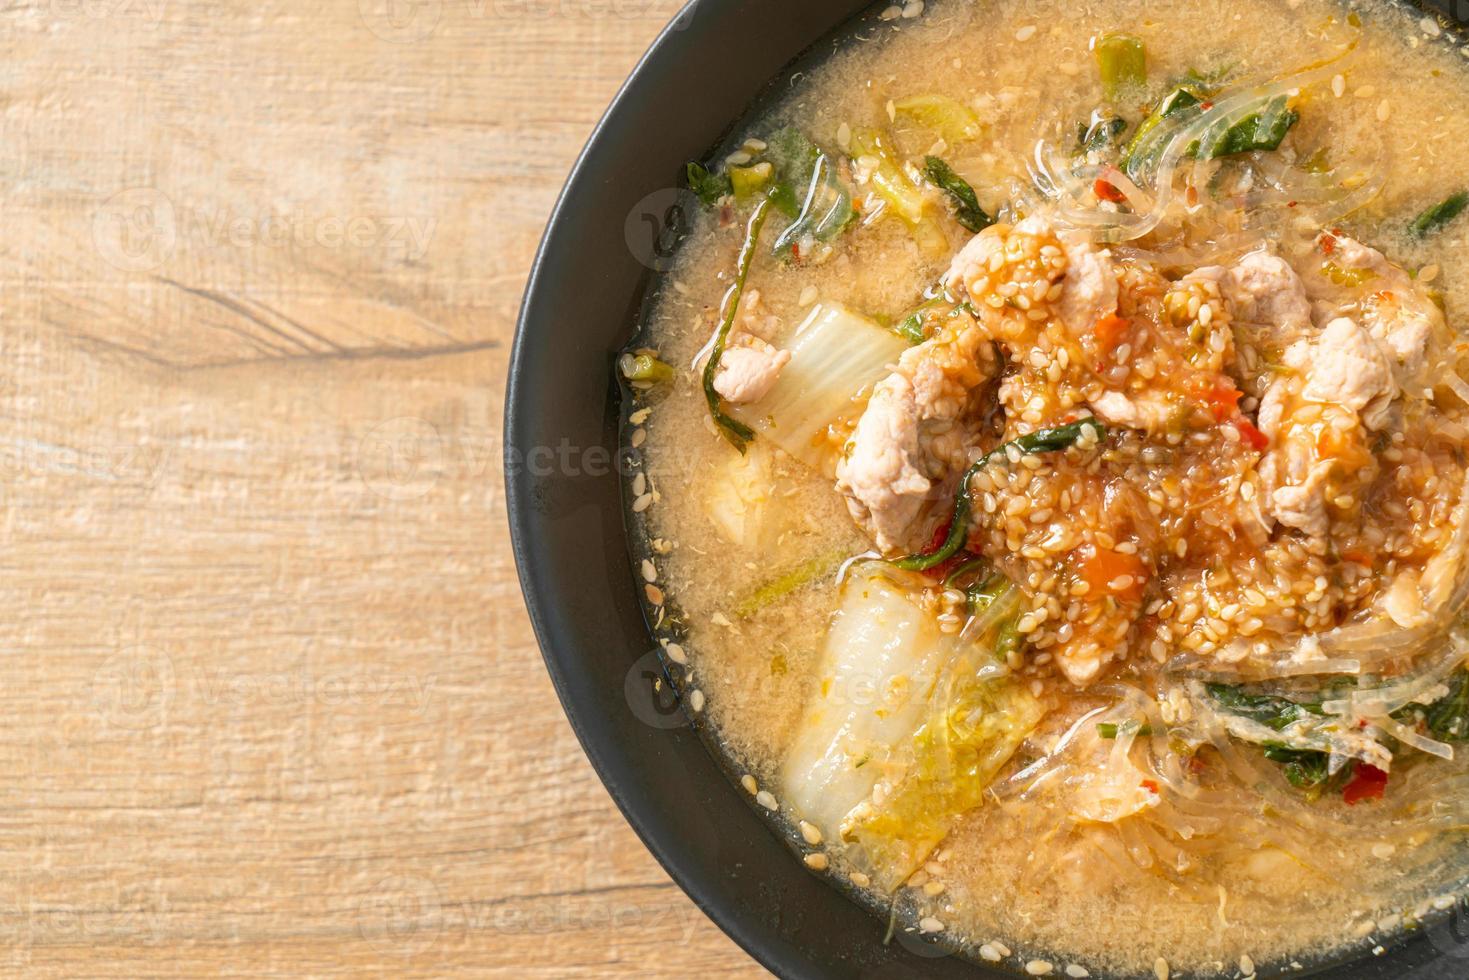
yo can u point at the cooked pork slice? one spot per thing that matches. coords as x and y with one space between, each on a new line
747 372
1089 290
1263 289
1345 366
913 437
1316 420
1147 410
750 365
882 473
1396 311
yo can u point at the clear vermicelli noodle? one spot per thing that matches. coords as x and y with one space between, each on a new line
1054 481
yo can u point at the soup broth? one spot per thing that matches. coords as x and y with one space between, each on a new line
1052 468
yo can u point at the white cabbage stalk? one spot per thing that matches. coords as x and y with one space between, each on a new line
880 665
738 499
907 729
836 357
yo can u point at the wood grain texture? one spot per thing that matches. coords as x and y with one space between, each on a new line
272 703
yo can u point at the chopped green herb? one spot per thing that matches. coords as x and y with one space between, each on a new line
644 366
1439 215
709 187
746 182
1122 61
1040 441
966 206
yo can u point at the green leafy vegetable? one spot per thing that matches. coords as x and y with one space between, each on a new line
733 430
966 206
1303 768
805 187
826 210
1439 215
1143 150
794 158
901 195
951 120
1123 62
1261 130
1446 719
1102 134
644 366
709 187
1040 441
1275 713
966 739
783 585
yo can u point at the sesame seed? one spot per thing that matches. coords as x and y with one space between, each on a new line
1025 33
1384 109
641 415
810 833
913 9
677 655
1077 971
654 594
748 782
650 571
816 861
1160 969
929 925
1246 965
1039 968
1339 86
988 953
696 700
766 799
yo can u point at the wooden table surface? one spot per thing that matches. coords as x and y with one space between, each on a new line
272 705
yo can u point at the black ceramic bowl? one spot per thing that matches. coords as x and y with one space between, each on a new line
581 306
